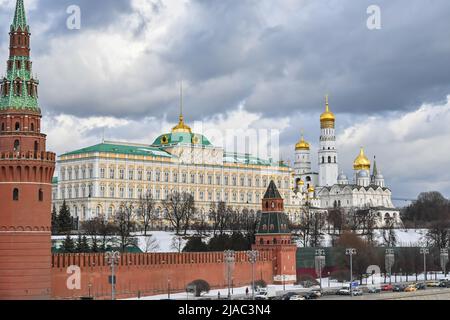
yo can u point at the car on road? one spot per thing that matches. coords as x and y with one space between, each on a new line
287 296
310 296
374 289
399 288
411 288
266 293
357 292
317 292
297 297
387 287
444 283
434 284
421 286
343 292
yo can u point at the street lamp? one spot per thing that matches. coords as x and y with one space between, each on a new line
320 262
389 262
424 251
112 258
444 260
252 257
350 252
229 259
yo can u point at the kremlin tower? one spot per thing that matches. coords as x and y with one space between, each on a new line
26 171
273 234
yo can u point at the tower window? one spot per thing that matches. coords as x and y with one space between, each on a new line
36 146
41 195
3 126
32 127
17 126
17 145
329 159
323 159
16 194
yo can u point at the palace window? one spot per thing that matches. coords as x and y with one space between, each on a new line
175 177
111 173
130 193
218 180
192 177
111 192
184 178
149 175
139 175
102 173
234 180
209 179
226 180
102 191
130 174
242 181
122 192
249 181
166 176
121 174
218 196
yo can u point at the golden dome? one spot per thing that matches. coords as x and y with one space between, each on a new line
300 182
327 118
302 144
311 189
361 162
181 127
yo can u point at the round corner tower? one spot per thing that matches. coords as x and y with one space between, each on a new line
26 171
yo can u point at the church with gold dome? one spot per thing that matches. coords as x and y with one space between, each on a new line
330 188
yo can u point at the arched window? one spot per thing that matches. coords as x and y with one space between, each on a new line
3 127
32 127
41 195
17 126
329 159
334 159
323 159
16 194
17 145
36 146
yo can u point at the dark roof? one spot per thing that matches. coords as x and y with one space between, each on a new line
272 191
273 222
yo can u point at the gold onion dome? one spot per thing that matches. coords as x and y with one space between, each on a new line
311 189
361 162
300 182
327 118
302 144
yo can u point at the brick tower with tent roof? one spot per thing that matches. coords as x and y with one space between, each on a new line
273 234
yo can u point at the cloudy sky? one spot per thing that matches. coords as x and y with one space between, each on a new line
251 64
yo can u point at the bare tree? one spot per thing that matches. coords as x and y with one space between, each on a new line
125 224
220 217
147 212
177 243
100 230
175 208
151 244
188 211
388 233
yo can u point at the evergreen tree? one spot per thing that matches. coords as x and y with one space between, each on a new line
64 218
82 244
68 244
195 244
55 229
94 247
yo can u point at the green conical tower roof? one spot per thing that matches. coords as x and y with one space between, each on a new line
18 86
20 18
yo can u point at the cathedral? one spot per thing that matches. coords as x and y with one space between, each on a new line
331 188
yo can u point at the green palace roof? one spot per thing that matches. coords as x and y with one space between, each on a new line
240 158
128 149
175 138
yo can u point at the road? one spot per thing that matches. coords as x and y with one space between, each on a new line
428 294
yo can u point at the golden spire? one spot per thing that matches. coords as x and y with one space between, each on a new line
302 144
181 127
361 162
327 118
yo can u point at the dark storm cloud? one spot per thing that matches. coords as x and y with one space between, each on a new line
280 58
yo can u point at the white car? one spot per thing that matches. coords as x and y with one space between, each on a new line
297 297
357 292
343 292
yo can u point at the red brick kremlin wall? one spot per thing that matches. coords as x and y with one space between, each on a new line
149 273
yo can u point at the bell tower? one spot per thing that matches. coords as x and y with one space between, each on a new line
26 171
273 234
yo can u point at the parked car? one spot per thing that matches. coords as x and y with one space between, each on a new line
343 292
297 297
374 289
317 292
310 296
357 292
433 284
266 293
421 286
399 288
444 283
387 287
288 295
411 288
